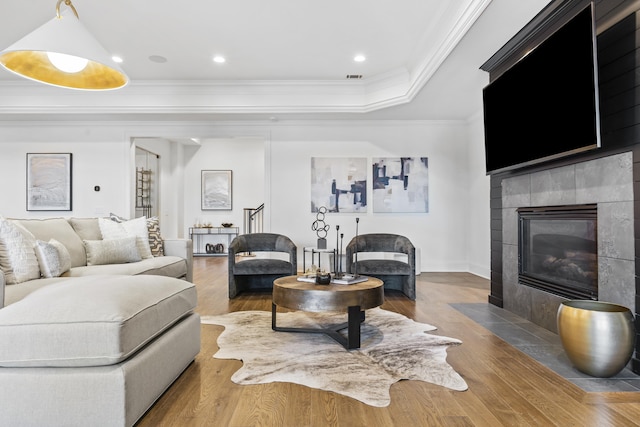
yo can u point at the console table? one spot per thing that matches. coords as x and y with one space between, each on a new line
201 236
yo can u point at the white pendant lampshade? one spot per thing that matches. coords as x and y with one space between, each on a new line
63 53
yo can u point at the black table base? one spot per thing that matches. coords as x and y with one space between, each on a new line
355 317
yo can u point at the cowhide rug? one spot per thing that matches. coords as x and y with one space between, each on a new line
393 348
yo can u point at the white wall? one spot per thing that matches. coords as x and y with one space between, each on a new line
270 164
104 161
244 157
479 192
170 183
441 234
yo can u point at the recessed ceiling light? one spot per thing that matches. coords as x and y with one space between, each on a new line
219 59
359 58
117 59
157 58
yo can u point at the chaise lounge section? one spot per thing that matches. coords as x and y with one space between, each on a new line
97 344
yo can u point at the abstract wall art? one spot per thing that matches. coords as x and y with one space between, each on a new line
216 190
339 183
401 185
49 182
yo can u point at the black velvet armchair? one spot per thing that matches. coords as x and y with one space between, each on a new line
396 274
259 273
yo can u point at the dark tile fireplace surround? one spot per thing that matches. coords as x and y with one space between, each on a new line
608 178
606 182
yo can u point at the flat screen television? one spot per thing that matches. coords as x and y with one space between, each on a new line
546 105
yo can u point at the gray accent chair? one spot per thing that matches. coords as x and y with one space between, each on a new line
259 273
396 274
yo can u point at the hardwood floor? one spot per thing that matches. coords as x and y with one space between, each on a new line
506 387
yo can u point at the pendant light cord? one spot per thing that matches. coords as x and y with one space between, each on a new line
68 3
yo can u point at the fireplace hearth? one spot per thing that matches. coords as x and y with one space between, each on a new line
558 250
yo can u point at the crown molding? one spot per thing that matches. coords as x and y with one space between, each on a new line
427 68
140 98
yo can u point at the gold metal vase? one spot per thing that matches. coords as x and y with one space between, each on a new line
598 337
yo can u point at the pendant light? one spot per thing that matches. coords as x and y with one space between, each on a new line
63 53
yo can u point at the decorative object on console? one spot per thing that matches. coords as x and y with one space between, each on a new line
597 336
63 53
321 228
216 190
339 183
218 248
401 185
227 224
49 181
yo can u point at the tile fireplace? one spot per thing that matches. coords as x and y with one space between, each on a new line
605 184
558 250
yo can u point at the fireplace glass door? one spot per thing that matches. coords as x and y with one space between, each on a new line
558 250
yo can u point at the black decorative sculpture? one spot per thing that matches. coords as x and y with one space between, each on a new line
321 228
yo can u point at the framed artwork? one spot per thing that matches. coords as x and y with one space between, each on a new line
49 182
339 184
216 190
401 184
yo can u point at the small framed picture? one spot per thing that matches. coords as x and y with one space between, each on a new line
49 185
216 190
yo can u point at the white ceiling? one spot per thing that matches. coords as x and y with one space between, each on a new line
285 58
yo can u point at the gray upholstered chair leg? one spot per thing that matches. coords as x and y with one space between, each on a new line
409 288
233 291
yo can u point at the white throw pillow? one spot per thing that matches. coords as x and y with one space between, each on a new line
156 244
135 227
112 251
53 257
18 259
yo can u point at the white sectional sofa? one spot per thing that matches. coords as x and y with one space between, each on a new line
101 341
176 260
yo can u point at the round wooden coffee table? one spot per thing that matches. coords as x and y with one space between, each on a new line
290 293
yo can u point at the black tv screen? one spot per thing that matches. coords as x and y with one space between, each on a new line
546 105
